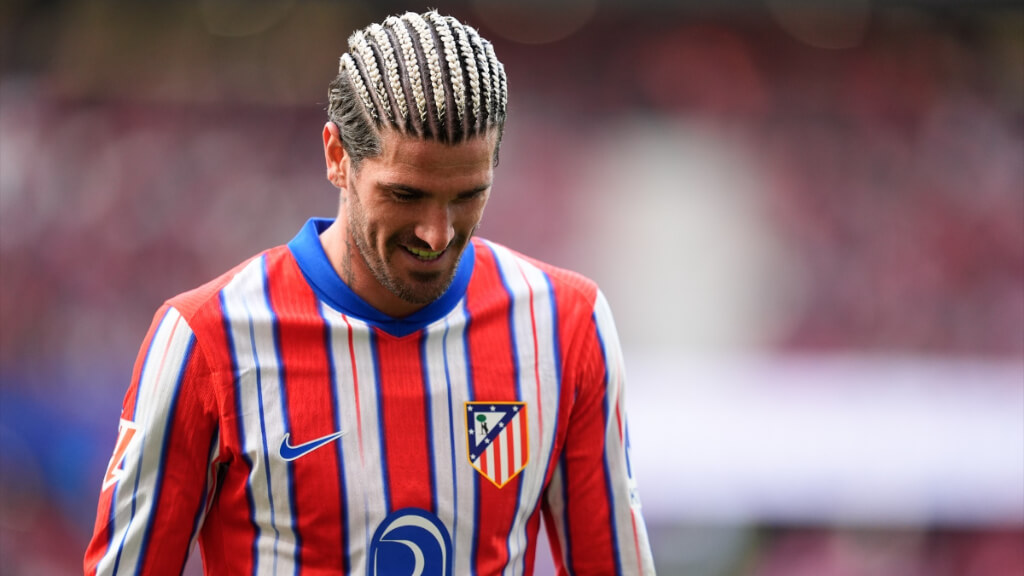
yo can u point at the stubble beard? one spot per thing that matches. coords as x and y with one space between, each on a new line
427 288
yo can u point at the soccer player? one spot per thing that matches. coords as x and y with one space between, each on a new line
387 393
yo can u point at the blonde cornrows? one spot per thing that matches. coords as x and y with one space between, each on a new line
426 75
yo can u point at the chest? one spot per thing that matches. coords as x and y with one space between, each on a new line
337 423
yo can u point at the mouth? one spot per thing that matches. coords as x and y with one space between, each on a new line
424 255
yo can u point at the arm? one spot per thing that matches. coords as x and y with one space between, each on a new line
591 507
158 482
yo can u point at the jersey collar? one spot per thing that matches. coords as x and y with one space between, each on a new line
332 290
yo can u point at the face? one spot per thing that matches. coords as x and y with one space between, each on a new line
409 214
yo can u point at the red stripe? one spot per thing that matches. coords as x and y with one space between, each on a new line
618 420
636 542
316 510
403 408
618 411
490 359
592 545
524 438
588 516
190 430
227 527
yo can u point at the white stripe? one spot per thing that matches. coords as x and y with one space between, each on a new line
502 456
155 393
360 447
517 441
523 277
245 303
489 467
465 474
440 423
354 508
615 454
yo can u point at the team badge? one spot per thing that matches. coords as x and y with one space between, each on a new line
496 432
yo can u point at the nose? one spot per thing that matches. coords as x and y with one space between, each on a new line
435 227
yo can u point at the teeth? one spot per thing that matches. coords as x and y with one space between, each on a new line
423 254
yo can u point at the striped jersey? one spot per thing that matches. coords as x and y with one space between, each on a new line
289 428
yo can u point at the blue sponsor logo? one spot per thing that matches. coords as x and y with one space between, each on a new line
411 542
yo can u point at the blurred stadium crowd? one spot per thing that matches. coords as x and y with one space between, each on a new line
141 157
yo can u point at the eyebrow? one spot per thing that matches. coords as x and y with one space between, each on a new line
413 190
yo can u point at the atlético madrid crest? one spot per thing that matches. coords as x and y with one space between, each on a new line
498 439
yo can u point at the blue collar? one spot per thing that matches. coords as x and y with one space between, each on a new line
330 288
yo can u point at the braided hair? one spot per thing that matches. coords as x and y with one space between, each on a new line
424 75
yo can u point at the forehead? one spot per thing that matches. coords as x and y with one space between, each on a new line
410 160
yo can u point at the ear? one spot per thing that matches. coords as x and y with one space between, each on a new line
338 160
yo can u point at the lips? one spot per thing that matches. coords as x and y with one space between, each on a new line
424 255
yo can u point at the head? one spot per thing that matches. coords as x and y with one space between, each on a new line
416 116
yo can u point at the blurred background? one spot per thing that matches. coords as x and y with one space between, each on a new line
808 218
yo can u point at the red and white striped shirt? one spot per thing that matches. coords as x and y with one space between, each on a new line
290 428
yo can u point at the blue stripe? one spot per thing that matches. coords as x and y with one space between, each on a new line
427 396
607 470
214 440
515 376
275 326
168 431
469 394
375 353
565 518
237 379
629 467
342 487
117 487
263 423
556 340
451 439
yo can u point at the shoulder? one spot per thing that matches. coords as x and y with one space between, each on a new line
203 303
569 287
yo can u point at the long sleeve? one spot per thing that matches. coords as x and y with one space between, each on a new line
591 506
159 479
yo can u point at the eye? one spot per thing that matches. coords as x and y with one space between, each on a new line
404 196
470 196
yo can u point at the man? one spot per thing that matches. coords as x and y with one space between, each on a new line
387 394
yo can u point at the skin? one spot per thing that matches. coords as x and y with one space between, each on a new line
405 216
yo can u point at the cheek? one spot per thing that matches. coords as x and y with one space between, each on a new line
388 229
468 216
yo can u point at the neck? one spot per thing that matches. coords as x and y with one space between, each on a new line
348 263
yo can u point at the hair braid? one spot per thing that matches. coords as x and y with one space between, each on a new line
473 74
364 56
387 52
457 84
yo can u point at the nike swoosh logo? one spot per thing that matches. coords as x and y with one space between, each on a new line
289 452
